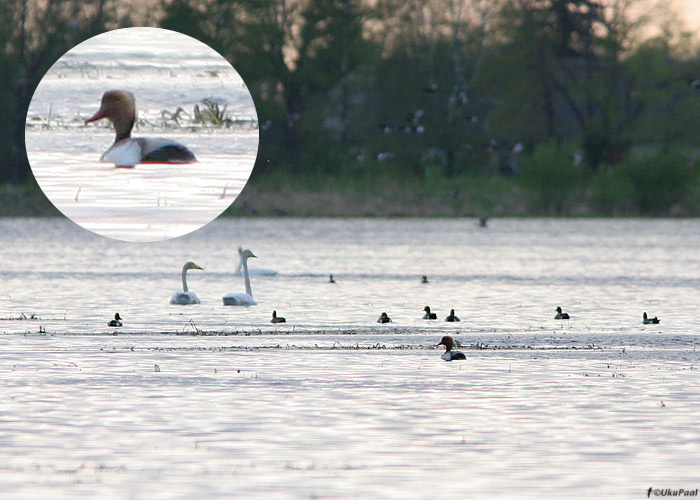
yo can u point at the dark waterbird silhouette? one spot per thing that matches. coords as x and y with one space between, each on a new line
116 322
450 355
428 314
650 321
384 318
452 318
560 314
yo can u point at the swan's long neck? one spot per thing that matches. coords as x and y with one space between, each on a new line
246 278
184 280
240 264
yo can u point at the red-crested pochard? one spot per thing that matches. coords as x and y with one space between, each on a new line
119 107
450 355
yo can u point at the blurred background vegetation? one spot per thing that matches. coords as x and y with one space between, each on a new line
417 107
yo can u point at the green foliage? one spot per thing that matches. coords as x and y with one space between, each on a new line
34 34
553 178
612 193
447 88
652 184
186 17
667 108
660 182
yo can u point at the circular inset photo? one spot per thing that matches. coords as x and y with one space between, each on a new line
142 134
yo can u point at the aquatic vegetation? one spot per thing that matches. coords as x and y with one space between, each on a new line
191 328
212 113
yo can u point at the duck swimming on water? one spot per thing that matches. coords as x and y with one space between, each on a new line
560 314
117 321
428 314
450 355
650 321
277 319
119 107
452 318
384 318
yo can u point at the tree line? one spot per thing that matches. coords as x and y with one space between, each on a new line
408 88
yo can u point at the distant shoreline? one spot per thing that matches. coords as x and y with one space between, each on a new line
29 201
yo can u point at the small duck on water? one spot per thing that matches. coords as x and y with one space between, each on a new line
424 279
450 355
277 319
650 321
119 107
452 318
117 321
384 318
560 314
428 314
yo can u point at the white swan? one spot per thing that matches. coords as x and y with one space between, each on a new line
242 299
186 297
252 271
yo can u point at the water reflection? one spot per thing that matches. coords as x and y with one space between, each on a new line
331 404
506 279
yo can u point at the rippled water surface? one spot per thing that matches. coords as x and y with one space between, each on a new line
207 401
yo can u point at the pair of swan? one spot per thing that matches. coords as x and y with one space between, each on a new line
241 298
186 296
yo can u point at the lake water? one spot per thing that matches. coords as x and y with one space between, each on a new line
207 401
165 71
